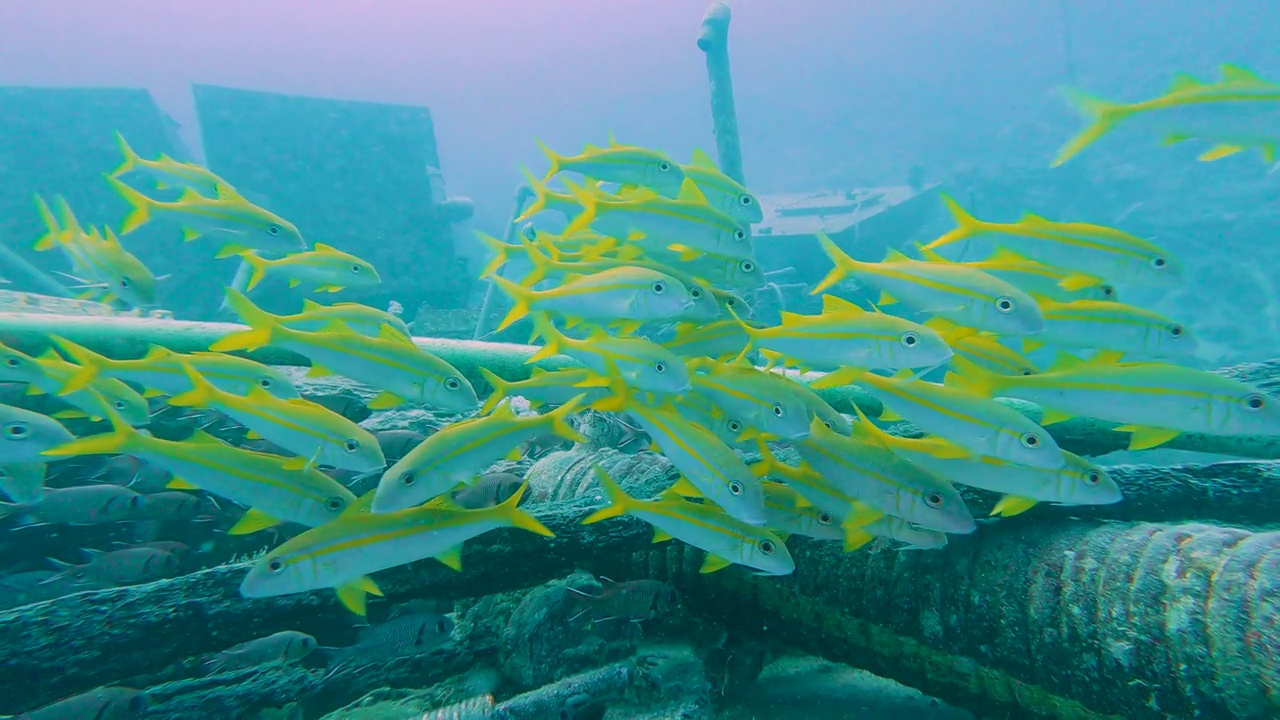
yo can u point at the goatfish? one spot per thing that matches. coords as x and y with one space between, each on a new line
625 164
687 225
1126 329
162 371
722 192
738 273
616 295
390 361
719 340
845 335
1156 402
895 529
1037 279
25 434
763 400
325 267
317 434
1077 482
169 173
359 319
1236 112
883 481
726 539
461 451
1094 252
241 224
982 348
790 513
703 460
274 488
622 364
980 425
49 373
542 388
342 554
99 261
966 296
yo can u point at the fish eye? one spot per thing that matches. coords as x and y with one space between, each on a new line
1254 402
745 200
910 339
747 266
828 424
12 362
264 383
1159 262
351 445
767 547
273 230
664 166
933 499
124 282
1004 304
1108 291
735 488
1027 371
1030 440
1093 477
660 367
659 287
355 268
15 430
452 384
734 426
275 566
334 504
695 292
731 302
739 234
119 404
442 626
408 479
777 410
1176 330
825 518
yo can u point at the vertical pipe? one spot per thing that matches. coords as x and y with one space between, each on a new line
524 193
714 41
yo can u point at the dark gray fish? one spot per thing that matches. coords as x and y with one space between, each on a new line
182 550
632 601
174 505
83 505
282 647
489 490
134 474
104 703
397 443
476 708
37 585
402 636
122 567
348 406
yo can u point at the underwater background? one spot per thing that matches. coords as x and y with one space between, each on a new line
405 136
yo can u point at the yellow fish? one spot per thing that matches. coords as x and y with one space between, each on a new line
626 164
328 268
624 294
169 173
98 261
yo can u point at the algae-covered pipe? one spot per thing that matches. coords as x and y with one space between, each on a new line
714 42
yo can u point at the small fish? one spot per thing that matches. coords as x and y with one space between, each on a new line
25 434
953 411
161 371
625 294
621 364
275 489
542 388
1156 402
627 164
348 406
896 529
722 192
359 319
719 340
128 566
97 260
23 482
488 490
984 349
240 224
172 506
737 273
49 373
81 505
791 513
725 539
276 649
820 494
315 433
1095 251
1038 279
341 555
463 450
630 601
391 361
136 474
963 295
325 267
104 703
397 443
402 636
1132 331
1235 112
169 173
760 399
845 335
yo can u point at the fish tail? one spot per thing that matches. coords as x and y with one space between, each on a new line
200 394
522 296
501 389
130 157
141 204
619 500
560 416
68 218
520 518
588 214
841 260
1102 115
966 226
50 239
91 365
752 335
260 321
552 157
540 191
540 261
259 266
499 249
118 440
968 375
551 338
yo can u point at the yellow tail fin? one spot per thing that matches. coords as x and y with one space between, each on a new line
841 260
130 157
519 518
551 338
588 214
141 211
501 388
91 365
50 239
552 157
499 249
521 296
261 322
259 266
560 416
1102 115
966 227
200 394
619 500
119 440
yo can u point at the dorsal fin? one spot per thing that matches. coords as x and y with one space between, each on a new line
833 304
1235 73
689 192
1005 255
1033 219
386 332
702 160
156 352
1065 361
1183 81
893 255
613 142
310 305
189 194
934 257
321 247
